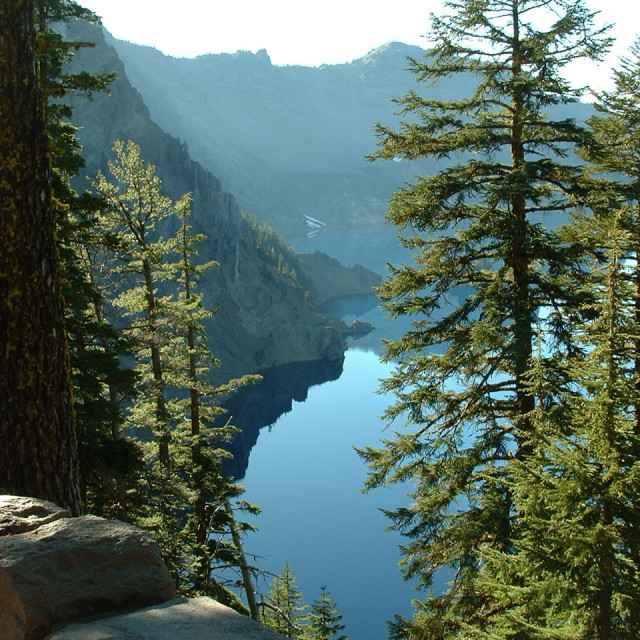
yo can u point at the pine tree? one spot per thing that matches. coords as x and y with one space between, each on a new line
134 208
572 571
38 456
323 622
485 267
615 155
144 295
614 158
187 500
284 608
189 360
197 447
577 553
106 456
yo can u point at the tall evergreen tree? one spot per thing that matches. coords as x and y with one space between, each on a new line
106 456
485 267
197 441
284 608
574 569
187 501
614 157
39 452
323 622
134 207
190 360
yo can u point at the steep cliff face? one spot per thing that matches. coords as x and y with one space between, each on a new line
264 318
288 141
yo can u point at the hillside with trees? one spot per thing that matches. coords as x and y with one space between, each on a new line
248 286
110 399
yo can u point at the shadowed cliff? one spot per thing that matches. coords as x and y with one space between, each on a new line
265 317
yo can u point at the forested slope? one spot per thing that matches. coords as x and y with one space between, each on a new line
264 316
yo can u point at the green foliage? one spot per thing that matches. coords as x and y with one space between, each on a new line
96 349
285 610
323 622
274 250
185 501
463 373
574 568
572 572
55 51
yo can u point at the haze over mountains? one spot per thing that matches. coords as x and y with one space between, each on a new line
280 142
266 317
287 141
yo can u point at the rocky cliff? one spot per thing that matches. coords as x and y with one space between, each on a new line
291 141
288 141
265 319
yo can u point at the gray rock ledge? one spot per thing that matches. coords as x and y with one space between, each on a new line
54 568
196 619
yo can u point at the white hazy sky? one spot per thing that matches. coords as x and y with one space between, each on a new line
301 31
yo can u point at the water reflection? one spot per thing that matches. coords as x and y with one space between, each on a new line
261 404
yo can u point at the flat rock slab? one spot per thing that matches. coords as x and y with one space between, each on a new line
19 515
196 619
54 568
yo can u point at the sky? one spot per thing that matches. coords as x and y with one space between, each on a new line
310 33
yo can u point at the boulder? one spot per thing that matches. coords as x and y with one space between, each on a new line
18 514
54 568
197 619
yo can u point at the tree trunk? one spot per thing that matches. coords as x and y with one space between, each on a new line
38 454
247 582
519 258
162 415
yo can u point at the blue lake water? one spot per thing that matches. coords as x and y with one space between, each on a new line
302 469
305 475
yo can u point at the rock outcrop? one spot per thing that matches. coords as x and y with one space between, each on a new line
332 280
265 318
197 619
54 568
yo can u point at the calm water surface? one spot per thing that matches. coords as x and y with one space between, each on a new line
305 475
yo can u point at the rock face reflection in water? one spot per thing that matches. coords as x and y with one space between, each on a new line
261 404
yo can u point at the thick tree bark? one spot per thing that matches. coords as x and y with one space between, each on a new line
519 258
38 455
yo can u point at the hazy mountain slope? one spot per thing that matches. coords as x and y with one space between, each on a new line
292 140
264 319
287 141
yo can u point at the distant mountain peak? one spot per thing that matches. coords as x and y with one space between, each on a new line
395 47
241 55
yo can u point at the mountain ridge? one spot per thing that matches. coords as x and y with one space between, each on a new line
292 141
288 141
264 318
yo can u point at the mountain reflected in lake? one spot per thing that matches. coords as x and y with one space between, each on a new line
261 404
307 478
296 459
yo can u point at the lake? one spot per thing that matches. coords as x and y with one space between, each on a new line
297 461
304 473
